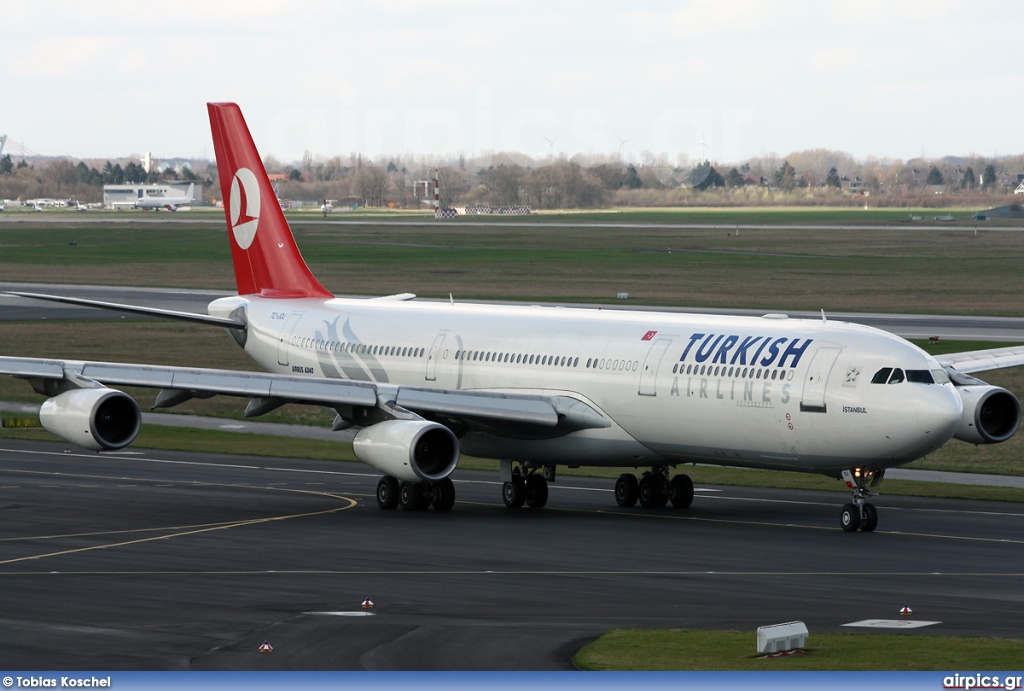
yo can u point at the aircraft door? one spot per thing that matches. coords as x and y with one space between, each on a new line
286 336
649 372
813 398
435 351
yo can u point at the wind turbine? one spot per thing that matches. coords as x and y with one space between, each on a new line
551 146
622 143
703 147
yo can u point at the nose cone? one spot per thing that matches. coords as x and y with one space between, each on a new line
939 412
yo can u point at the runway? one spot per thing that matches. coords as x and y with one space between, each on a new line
970 328
162 560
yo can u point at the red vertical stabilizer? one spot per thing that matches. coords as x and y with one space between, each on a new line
266 258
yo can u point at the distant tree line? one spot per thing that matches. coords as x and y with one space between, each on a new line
816 176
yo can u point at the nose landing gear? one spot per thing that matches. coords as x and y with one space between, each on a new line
861 514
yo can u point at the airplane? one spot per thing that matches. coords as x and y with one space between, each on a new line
169 203
538 387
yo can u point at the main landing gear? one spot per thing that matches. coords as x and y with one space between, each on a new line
415 496
860 514
654 489
526 487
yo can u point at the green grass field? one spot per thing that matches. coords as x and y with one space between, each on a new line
683 649
784 265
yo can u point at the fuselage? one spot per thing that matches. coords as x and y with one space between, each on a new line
169 203
770 392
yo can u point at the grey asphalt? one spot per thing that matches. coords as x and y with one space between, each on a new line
338 219
161 560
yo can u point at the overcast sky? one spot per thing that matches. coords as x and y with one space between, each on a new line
884 78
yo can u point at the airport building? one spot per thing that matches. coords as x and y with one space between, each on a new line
125 196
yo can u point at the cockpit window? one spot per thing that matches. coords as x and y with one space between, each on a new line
894 375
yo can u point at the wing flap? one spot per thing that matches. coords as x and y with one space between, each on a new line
31 367
472 404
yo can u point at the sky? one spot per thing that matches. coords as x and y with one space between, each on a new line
723 79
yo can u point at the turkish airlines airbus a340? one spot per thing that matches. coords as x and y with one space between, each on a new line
538 387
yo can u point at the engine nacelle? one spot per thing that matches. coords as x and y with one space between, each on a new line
96 419
991 414
409 450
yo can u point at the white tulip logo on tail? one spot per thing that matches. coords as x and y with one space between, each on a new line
245 207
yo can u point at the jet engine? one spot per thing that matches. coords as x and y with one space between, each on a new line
97 419
991 414
408 450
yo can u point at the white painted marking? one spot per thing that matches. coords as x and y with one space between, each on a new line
341 614
892 623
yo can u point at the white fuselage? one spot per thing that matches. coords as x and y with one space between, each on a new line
169 203
764 392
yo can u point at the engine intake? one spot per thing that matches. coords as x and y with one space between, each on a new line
97 419
409 450
991 414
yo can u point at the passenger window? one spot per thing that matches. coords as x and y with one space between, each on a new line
881 376
897 376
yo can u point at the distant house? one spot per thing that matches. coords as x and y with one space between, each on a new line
853 186
935 189
1020 189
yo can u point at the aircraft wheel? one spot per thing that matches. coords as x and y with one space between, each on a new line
387 492
412 497
536 491
870 518
513 493
850 518
444 495
652 494
680 491
627 490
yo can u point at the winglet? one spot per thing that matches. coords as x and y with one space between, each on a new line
267 260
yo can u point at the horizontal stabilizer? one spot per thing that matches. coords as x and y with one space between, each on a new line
136 309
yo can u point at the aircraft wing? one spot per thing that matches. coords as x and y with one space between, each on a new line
983 360
501 412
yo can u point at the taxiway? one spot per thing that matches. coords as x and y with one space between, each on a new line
162 560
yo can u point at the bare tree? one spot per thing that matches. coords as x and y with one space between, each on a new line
452 185
372 182
60 174
505 183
